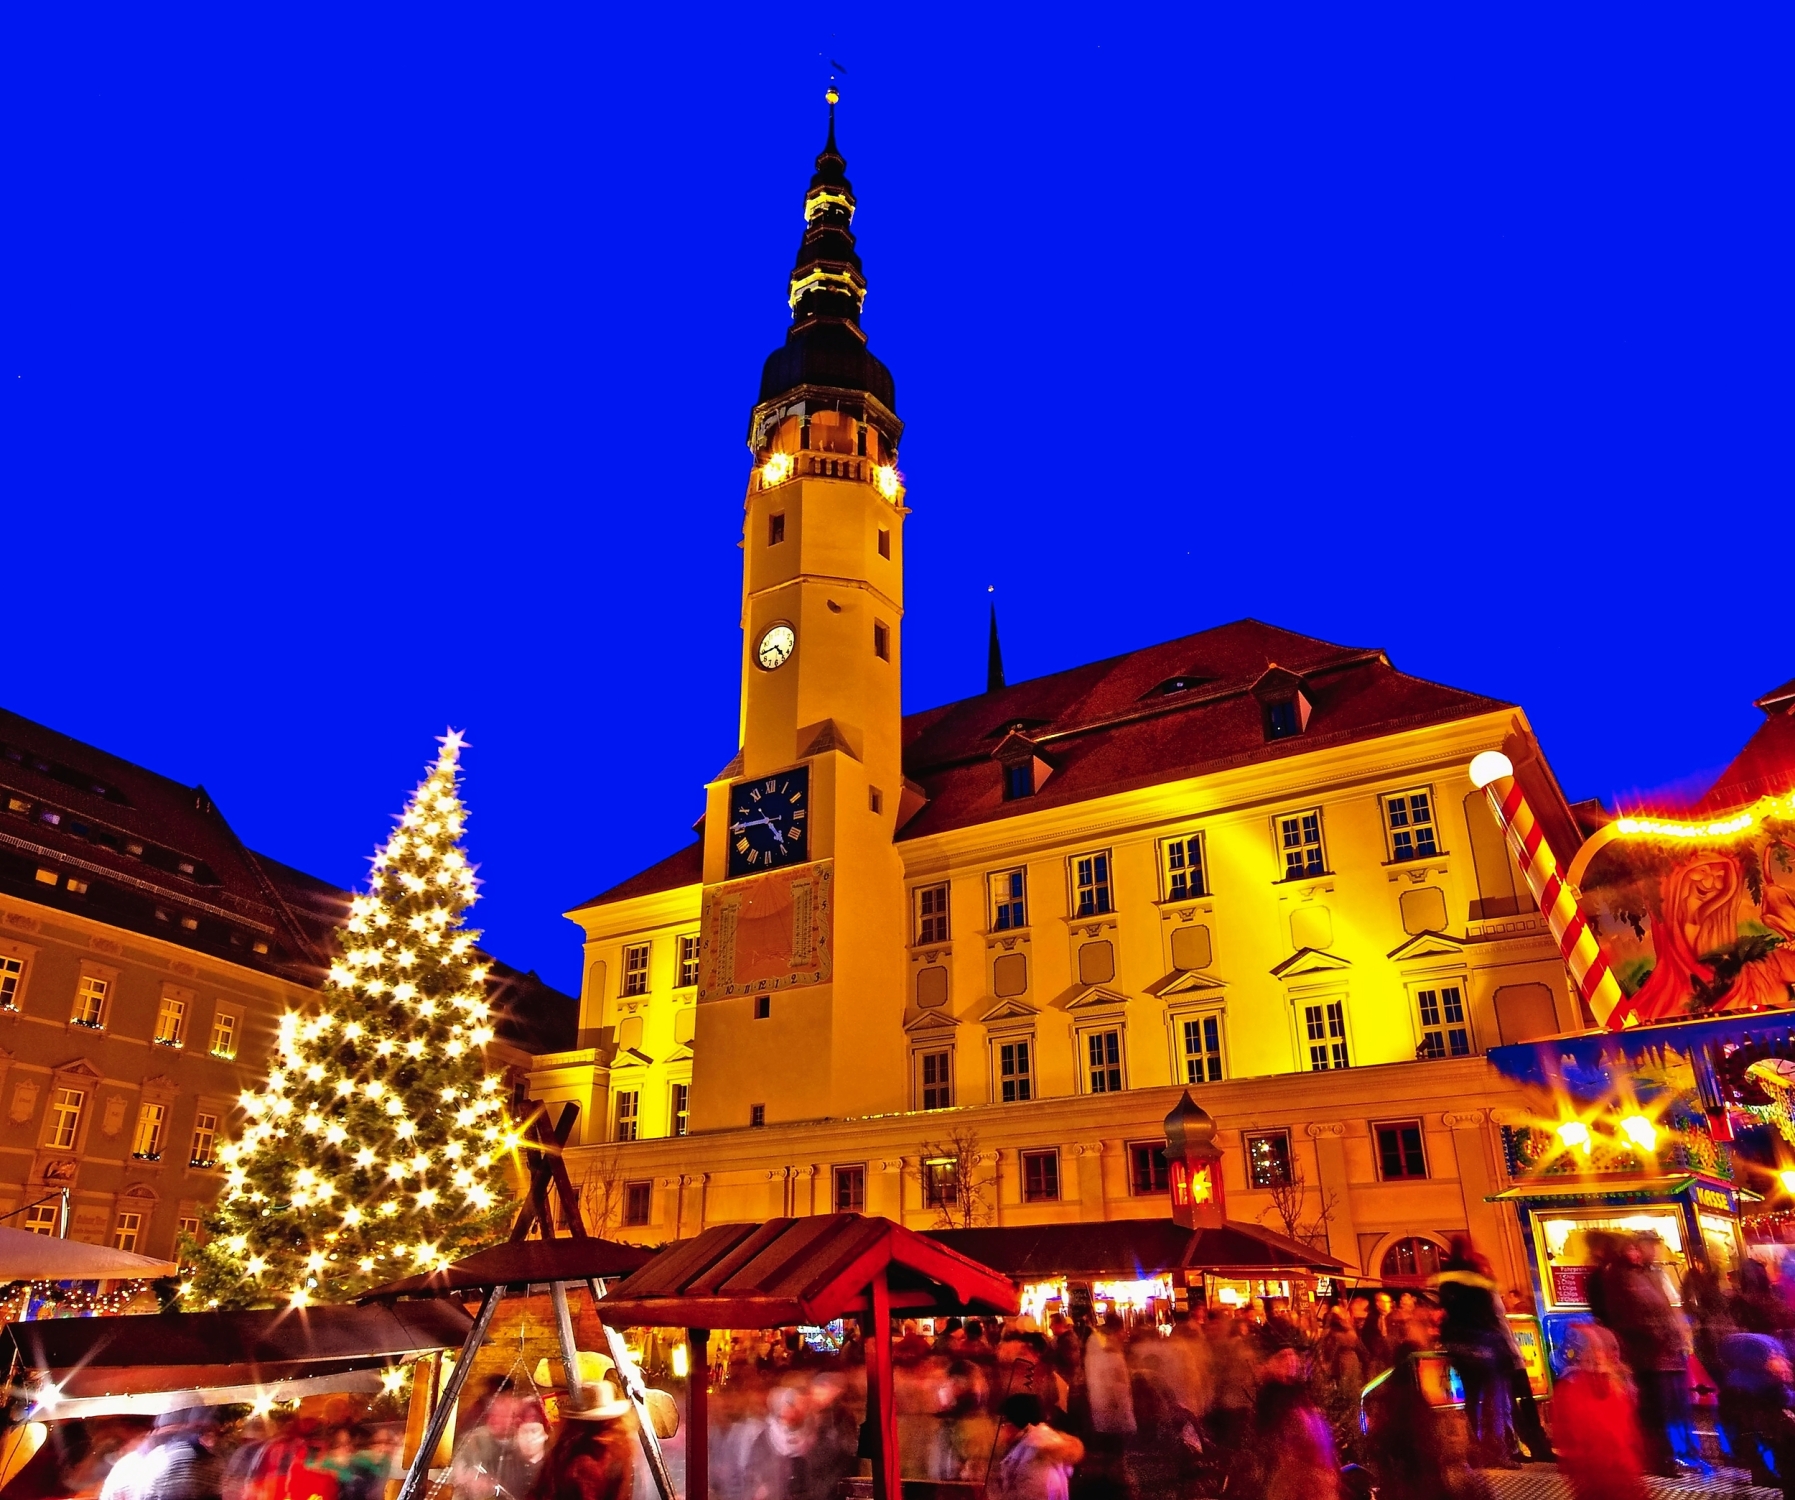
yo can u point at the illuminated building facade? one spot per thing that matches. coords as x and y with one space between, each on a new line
146 957
1247 861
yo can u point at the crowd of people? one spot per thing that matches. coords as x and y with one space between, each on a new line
1264 1401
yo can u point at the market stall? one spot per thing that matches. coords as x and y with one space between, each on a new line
805 1272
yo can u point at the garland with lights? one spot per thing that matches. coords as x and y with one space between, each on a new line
379 1144
66 1301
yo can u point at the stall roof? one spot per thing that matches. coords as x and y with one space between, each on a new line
39 1257
1616 1187
85 1359
522 1263
1587 1065
1132 1249
807 1271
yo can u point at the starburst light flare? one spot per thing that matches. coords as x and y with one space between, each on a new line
378 1134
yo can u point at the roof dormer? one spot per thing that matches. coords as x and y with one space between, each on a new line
1283 703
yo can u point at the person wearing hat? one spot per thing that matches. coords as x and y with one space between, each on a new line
591 1458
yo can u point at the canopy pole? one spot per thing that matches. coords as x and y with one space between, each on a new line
570 1355
698 1415
630 1377
451 1393
887 1475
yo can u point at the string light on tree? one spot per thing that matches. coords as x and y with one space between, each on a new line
379 1143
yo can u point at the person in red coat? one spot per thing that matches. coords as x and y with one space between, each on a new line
591 1457
1595 1421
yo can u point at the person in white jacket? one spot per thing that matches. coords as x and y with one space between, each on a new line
1036 1461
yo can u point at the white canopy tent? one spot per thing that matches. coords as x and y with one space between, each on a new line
41 1257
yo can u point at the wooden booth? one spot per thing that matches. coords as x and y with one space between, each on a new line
807 1271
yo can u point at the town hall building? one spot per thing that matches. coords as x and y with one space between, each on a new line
1000 936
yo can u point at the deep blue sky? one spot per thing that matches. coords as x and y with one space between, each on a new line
370 370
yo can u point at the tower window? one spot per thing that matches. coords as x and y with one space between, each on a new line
874 802
804 433
763 1007
881 640
757 1116
776 528
884 542
860 440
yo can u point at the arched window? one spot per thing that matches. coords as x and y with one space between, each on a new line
1413 1256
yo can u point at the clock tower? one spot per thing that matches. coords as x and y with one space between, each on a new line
801 959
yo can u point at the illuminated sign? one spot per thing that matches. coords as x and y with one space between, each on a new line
1714 1198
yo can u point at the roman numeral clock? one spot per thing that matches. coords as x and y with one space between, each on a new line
768 818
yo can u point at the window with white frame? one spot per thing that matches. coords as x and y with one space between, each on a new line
12 975
1041 1176
1090 885
681 1110
1202 1047
204 1150
635 969
90 1001
224 1034
1015 1060
1009 902
65 1119
1182 861
1103 1060
850 1190
1299 835
1268 1158
189 1227
127 1231
171 1016
628 1114
931 914
1324 1033
688 959
1410 816
941 1182
935 1078
146 1144
1445 1032
41 1218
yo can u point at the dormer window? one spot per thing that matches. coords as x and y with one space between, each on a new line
1281 720
1018 780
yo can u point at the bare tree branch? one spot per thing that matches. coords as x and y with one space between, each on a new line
952 1184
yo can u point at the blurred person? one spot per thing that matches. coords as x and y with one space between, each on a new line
795 1456
1413 1452
1755 1396
1034 1461
1477 1340
964 1427
1373 1334
182 1465
237 1478
952 1336
130 1470
1235 1384
1291 1456
912 1346
1109 1412
1630 1298
1187 1360
1599 1446
591 1458
1340 1362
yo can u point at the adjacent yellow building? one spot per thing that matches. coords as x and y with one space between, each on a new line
1246 861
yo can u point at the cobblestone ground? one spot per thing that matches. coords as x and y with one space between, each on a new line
1544 1482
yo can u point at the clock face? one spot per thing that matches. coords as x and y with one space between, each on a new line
769 821
776 647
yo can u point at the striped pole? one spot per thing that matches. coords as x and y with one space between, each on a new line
1495 774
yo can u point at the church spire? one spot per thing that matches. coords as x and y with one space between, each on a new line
825 348
993 657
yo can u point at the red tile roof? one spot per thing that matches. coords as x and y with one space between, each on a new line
1766 766
683 868
1111 726
82 811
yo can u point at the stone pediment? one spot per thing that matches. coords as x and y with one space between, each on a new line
1092 997
681 1053
1428 945
1185 982
1309 961
931 1022
81 1068
631 1057
1010 1010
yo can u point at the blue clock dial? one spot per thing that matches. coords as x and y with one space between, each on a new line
769 821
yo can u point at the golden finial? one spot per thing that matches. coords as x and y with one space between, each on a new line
833 97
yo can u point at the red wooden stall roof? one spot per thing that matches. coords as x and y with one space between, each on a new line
521 1263
802 1271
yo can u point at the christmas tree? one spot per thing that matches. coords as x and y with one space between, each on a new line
379 1144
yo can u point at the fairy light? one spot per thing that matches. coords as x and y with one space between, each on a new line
344 1158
